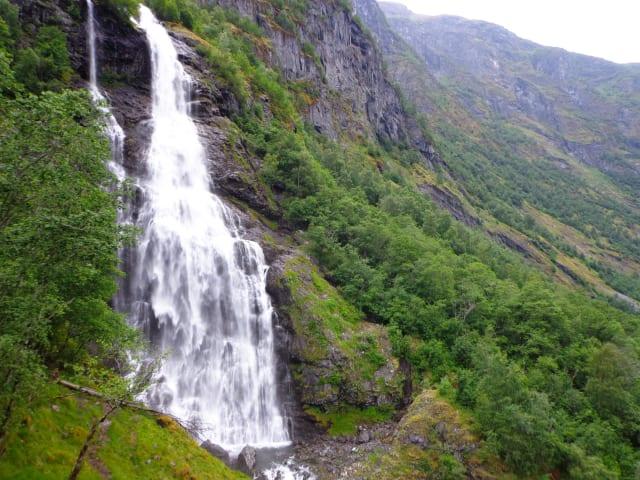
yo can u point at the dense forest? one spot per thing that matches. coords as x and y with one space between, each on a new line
549 375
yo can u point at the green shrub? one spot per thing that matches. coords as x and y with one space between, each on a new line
46 65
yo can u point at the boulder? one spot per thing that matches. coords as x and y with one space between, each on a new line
417 440
217 451
246 460
364 436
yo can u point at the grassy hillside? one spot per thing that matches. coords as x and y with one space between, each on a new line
133 444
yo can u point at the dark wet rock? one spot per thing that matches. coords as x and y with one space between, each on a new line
417 440
246 461
364 435
448 201
217 451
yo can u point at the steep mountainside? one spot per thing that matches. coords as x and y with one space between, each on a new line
588 107
332 57
542 140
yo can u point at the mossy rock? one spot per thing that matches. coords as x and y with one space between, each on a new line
341 359
434 440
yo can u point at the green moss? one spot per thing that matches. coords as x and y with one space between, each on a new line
319 313
344 420
329 324
47 442
160 452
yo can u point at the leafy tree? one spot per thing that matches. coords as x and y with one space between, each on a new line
614 386
9 24
46 65
518 422
8 83
58 241
288 165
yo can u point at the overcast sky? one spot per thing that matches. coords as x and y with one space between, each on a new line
603 28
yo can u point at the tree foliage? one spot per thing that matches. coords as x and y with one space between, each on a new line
58 232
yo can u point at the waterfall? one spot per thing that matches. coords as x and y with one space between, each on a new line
199 287
113 129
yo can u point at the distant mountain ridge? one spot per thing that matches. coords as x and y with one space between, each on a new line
575 83
545 141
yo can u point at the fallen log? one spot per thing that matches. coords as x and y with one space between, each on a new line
136 405
194 429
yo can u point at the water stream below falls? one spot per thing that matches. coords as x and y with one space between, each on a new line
199 287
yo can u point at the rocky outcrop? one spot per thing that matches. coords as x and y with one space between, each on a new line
336 357
333 52
448 201
431 441
376 22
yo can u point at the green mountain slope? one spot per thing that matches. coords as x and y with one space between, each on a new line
538 139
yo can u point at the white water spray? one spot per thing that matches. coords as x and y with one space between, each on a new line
199 288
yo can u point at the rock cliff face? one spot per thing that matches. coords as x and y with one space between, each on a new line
332 50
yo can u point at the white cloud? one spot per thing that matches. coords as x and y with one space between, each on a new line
608 29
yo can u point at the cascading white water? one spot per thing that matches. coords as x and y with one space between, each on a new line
113 129
199 288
